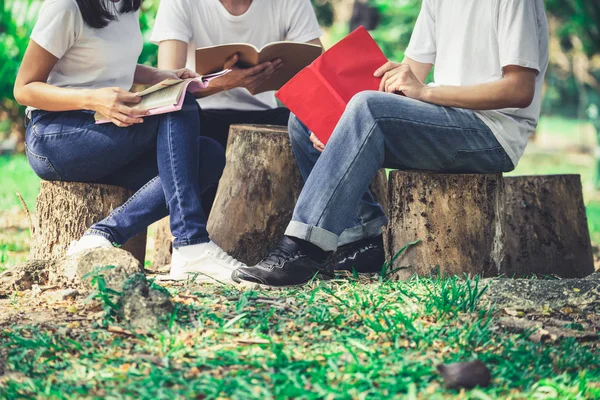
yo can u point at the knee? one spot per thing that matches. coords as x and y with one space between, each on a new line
363 102
298 132
190 103
212 158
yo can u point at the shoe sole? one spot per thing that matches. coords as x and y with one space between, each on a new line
262 286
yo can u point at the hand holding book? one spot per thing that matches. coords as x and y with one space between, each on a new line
164 97
318 95
250 78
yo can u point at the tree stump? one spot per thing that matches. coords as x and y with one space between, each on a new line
66 209
546 227
239 225
257 192
458 218
163 241
379 189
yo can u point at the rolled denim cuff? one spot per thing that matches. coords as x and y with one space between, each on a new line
97 232
188 242
326 240
366 230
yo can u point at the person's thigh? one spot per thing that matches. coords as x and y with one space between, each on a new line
79 150
424 136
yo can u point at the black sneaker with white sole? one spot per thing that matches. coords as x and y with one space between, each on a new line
365 256
286 265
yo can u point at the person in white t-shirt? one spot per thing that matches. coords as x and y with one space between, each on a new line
182 26
82 59
490 58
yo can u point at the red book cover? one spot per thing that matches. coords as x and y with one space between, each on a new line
318 94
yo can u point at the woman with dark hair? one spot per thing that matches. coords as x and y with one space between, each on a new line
82 59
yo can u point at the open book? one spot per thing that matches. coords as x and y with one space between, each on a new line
167 96
295 57
318 95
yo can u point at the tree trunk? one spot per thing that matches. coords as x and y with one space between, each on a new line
163 241
257 193
272 191
546 227
458 219
66 209
379 189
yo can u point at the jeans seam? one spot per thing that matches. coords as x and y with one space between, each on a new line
130 199
346 173
486 129
44 159
175 175
49 135
473 151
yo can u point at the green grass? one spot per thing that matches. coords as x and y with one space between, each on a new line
339 340
17 176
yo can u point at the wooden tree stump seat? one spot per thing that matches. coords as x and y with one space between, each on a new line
66 209
256 195
546 227
489 225
458 219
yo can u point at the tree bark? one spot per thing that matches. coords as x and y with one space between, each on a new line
163 241
546 227
66 209
379 189
458 219
276 187
257 192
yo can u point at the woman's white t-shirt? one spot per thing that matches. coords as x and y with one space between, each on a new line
88 57
203 23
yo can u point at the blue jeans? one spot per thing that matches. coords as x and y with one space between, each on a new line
381 130
164 159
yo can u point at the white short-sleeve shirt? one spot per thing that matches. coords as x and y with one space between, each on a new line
88 57
202 23
471 41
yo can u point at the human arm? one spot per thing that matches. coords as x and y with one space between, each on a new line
146 75
516 89
32 90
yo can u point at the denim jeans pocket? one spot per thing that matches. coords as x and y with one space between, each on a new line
485 161
42 166
46 123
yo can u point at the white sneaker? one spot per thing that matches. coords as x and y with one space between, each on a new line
88 242
202 263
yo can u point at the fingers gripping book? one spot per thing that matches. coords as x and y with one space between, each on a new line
318 95
295 57
168 95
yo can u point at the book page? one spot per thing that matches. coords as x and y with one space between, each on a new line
295 57
163 97
159 86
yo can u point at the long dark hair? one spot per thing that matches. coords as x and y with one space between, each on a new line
99 13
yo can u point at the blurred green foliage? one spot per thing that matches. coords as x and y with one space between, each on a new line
577 19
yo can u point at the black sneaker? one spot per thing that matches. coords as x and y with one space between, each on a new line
284 266
366 256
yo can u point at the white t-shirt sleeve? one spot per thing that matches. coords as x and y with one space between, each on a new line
422 46
302 24
172 22
58 25
518 38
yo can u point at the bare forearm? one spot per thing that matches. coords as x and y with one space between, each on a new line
51 98
487 96
145 75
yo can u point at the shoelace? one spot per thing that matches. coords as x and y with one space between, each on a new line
277 256
222 255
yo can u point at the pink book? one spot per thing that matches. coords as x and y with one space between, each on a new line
168 95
